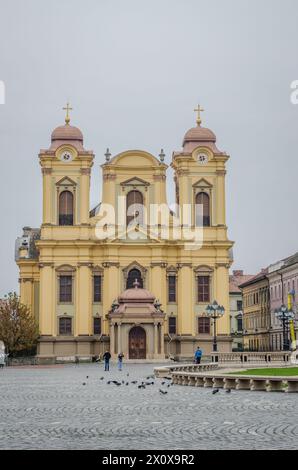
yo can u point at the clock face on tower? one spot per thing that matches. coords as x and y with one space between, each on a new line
202 158
66 156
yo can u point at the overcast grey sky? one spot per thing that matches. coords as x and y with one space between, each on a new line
133 71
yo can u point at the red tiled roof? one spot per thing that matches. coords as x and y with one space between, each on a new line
235 282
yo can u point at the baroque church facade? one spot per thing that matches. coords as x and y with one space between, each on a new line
99 281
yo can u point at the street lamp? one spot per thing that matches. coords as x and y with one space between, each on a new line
215 311
284 315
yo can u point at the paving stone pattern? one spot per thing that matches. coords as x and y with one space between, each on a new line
50 408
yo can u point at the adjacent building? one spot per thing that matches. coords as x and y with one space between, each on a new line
236 308
256 312
283 285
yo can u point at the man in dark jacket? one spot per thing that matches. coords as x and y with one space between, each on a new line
107 357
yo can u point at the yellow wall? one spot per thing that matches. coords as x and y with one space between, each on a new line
78 247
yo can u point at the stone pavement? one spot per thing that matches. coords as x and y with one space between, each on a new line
50 408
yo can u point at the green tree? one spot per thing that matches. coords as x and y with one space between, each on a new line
18 329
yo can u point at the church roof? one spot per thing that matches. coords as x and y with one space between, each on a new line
199 134
136 294
67 132
67 135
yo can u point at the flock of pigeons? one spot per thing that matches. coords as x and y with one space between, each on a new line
167 382
141 385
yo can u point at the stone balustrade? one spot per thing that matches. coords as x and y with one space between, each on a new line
252 357
165 371
247 382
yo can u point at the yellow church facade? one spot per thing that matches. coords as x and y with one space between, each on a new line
131 275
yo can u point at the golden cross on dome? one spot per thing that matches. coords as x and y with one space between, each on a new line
199 110
67 109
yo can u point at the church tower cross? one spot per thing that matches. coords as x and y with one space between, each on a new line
67 109
198 110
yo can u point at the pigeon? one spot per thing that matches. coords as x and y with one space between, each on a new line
228 390
141 386
134 382
164 392
101 378
127 383
84 383
108 382
216 390
162 383
169 385
87 376
123 382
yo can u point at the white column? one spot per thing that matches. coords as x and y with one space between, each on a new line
162 339
119 338
112 339
155 340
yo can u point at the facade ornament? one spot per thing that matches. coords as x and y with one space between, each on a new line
108 155
162 155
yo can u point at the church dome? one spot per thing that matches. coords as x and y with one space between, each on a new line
136 294
199 134
67 132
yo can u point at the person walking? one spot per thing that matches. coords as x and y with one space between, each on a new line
120 361
107 357
198 355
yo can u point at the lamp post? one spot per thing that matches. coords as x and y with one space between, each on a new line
215 311
284 315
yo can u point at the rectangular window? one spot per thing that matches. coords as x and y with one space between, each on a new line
172 288
96 288
97 326
204 289
239 324
172 325
64 326
65 294
204 325
239 305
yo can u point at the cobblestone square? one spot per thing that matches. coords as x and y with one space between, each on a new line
50 408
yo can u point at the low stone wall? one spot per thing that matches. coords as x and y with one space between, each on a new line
236 382
280 357
167 370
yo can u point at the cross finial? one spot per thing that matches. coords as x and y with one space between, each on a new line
136 284
199 110
67 109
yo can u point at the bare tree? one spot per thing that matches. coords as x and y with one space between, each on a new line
18 328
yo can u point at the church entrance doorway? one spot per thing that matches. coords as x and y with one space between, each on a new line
137 343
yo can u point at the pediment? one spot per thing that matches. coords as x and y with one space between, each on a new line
135 181
203 269
202 183
127 236
66 181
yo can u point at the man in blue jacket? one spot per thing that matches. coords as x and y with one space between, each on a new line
198 355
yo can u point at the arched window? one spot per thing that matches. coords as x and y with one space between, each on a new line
204 200
134 207
66 208
132 276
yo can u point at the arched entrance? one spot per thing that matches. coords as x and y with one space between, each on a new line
137 343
